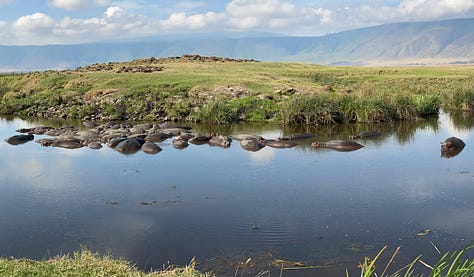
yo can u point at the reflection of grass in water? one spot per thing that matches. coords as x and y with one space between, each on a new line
450 264
462 119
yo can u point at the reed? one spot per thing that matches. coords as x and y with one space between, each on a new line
321 108
451 264
216 112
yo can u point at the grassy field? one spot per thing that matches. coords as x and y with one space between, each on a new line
218 91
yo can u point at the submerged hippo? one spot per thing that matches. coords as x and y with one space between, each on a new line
67 143
297 136
130 145
366 135
158 137
150 148
19 139
339 145
180 143
219 140
279 143
199 139
246 137
252 144
451 147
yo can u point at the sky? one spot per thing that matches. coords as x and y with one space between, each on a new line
39 22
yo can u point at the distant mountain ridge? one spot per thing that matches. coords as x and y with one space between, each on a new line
438 42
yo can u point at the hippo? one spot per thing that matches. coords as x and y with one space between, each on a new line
220 140
253 145
19 139
129 145
366 135
246 137
279 143
94 145
40 130
297 136
150 148
199 139
180 143
67 143
451 147
158 137
113 142
339 145
45 141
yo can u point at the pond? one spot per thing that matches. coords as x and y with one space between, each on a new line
306 206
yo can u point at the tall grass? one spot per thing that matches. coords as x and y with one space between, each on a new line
216 112
451 264
326 108
460 98
321 108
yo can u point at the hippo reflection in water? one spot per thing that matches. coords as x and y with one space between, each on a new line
19 139
339 145
451 147
366 135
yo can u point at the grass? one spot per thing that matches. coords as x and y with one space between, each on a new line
86 263
451 264
290 93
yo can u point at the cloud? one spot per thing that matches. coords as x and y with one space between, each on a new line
134 19
434 8
71 5
5 2
36 25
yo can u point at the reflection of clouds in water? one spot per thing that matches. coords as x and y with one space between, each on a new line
266 154
34 172
463 134
460 220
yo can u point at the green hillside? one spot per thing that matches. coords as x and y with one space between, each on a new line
221 90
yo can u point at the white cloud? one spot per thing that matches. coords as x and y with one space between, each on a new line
434 8
71 5
126 19
5 2
37 24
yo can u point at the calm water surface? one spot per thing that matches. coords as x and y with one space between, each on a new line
222 206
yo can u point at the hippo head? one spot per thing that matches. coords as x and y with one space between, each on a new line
451 147
315 144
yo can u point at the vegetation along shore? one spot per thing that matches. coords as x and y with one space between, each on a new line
222 90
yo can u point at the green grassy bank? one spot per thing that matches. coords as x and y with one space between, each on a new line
221 91
86 263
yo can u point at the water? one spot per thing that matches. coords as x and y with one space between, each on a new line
222 206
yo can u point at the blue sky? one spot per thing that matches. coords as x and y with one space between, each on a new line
36 22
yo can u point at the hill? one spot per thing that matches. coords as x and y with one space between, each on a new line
439 42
